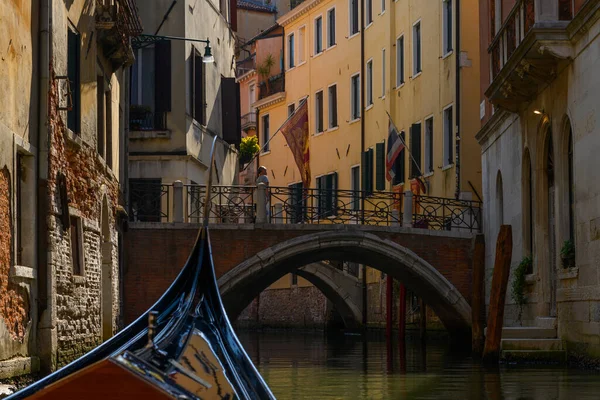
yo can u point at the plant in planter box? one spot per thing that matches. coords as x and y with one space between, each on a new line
248 148
518 284
567 254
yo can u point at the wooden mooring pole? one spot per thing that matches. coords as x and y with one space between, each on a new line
388 307
478 295
491 351
402 314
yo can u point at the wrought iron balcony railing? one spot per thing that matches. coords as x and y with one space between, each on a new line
145 120
150 202
117 22
274 84
249 121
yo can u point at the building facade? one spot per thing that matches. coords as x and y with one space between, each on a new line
63 163
539 140
180 103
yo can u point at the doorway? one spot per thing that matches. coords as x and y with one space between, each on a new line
550 173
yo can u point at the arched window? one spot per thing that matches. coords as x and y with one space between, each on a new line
527 203
571 187
551 221
499 200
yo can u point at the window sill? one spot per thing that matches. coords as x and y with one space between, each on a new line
353 35
332 129
79 279
415 76
382 97
333 46
318 133
74 138
400 87
569 273
353 121
530 279
291 68
22 272
369 107
447 54
317 54
446 167
264 153
369 25
427 175
154 134
300 64
381 13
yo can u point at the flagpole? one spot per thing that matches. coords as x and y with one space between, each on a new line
404 142
276 132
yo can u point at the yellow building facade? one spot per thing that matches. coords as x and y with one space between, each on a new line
408 69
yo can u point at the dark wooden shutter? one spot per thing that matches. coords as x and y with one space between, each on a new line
230 100
162 78
415 150
370 171
233 15
199 90
380 167
365 171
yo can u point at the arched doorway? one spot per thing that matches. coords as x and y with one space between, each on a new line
107 292
549 169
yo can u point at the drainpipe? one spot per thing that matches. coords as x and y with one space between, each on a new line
362 144
457 56
46 346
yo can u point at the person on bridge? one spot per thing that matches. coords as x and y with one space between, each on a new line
264 178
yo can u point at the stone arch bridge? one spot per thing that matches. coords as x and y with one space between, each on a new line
435 265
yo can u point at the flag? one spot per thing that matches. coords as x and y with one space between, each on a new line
394 147
295 131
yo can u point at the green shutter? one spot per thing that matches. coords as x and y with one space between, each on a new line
380 167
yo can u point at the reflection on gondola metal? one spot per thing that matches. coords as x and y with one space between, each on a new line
182 348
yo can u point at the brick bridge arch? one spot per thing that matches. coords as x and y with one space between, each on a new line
244 282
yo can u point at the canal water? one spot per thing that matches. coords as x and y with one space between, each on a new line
314 366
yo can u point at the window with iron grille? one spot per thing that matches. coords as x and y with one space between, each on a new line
145 196
297 203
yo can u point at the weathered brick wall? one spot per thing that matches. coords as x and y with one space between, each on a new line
296 307
156 253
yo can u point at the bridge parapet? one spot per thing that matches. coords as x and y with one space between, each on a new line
178 202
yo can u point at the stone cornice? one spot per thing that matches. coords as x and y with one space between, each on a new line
269 101
491 127
247 76
297 12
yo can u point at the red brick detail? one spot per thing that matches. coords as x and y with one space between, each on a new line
154 257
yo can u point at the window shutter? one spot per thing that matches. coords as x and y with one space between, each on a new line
415 150
370 171
365 171
199 84
380 166
230 98
162 78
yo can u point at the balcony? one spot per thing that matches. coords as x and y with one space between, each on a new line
116 22
275 84
248 121
529 50
142 118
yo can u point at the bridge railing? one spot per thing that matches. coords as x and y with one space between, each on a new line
291 205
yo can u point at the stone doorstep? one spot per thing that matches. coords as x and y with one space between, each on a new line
533 356
532 344
528 333
19 366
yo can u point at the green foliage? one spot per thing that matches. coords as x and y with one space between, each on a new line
248 148
264 69
518 283
567 253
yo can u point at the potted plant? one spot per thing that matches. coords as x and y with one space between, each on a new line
518 284
264 70
248 148
567 254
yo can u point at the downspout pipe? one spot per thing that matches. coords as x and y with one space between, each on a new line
362 146
457 58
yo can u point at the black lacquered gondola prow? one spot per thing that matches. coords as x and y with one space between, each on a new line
187 325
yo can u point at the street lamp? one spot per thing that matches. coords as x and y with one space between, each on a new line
141 41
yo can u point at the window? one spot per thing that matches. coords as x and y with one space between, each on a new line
369 82
367 168
327 192
318 35
382 6
355 187
499 200
571 187
145 200
429 145
291 49
198 88
528 204
417 48
331 27
399 61
448 136
301 45
447 27
353 17
380 166
19 201
369 12
100 119
109 126
400 163
333 119
294 279
252 97
76 246
383 73
291 109
319 112
355 97
265 133
73 66
298 211
415 150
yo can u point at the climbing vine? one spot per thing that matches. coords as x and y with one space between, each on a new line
518 284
